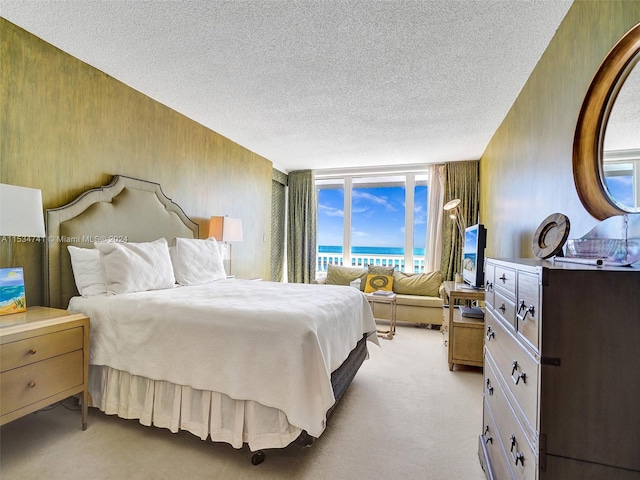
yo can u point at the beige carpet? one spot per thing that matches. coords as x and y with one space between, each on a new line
404 416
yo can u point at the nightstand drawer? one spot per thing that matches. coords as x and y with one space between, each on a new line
38 348
37 381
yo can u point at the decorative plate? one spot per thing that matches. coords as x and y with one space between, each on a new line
551 236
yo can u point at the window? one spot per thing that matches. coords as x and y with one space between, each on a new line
372 220
622 177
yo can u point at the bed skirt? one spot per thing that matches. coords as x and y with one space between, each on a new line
176 407
204 413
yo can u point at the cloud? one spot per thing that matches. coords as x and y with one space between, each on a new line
367 197
330 211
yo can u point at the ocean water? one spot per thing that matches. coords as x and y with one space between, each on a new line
418 252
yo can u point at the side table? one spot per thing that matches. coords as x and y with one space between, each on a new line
44 355
388 299
465 335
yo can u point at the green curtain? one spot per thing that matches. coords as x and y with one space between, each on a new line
461 180
302 226
278 201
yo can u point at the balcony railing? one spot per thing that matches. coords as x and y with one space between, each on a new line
326 259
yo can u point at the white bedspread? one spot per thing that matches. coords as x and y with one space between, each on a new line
272 343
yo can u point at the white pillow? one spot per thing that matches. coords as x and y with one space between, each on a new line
197 261
87 271
136 267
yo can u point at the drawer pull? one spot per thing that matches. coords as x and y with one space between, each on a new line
503 308
514 367
521 376
489 387
518 456
33 351
31 384
490 334
488 287
522 306
488 438
503 278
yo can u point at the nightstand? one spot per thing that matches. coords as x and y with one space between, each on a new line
464 336
44 358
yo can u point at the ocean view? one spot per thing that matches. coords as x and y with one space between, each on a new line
384 251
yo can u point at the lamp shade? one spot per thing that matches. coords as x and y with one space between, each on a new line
226 229
21 211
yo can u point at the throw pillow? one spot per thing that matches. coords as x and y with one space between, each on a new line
380 270
337 275
427 284
378 282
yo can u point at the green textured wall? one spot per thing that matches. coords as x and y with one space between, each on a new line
66 127
526 170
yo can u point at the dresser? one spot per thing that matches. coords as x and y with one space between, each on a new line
44 358
561 377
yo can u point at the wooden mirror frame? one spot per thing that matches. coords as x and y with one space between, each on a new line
592 121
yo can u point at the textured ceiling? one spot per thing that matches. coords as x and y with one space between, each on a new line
316 84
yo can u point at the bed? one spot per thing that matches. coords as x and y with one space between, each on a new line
237 361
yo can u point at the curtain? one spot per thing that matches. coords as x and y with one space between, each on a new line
433 252
302 226
278 216
461 180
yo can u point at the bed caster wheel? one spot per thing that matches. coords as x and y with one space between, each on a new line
258 457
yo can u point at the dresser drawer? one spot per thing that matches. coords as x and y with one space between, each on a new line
517 368
493 446
528 308
519 453
37 381
41 347
489 276
505 279
505 311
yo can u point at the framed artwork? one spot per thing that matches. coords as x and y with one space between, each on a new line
12 296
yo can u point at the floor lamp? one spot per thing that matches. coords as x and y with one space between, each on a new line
226 230
452 207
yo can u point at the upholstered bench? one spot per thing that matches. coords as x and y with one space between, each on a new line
418 296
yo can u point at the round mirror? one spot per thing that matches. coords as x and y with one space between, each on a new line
606 147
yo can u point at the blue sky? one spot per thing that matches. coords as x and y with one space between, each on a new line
621 188
377 217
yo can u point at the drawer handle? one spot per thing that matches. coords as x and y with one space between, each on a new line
488 438
518 456
522 306
488 287
503 308
33 351
489 387
490 334
503 278
31 384
521 376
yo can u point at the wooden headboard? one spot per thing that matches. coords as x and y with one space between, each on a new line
127 209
